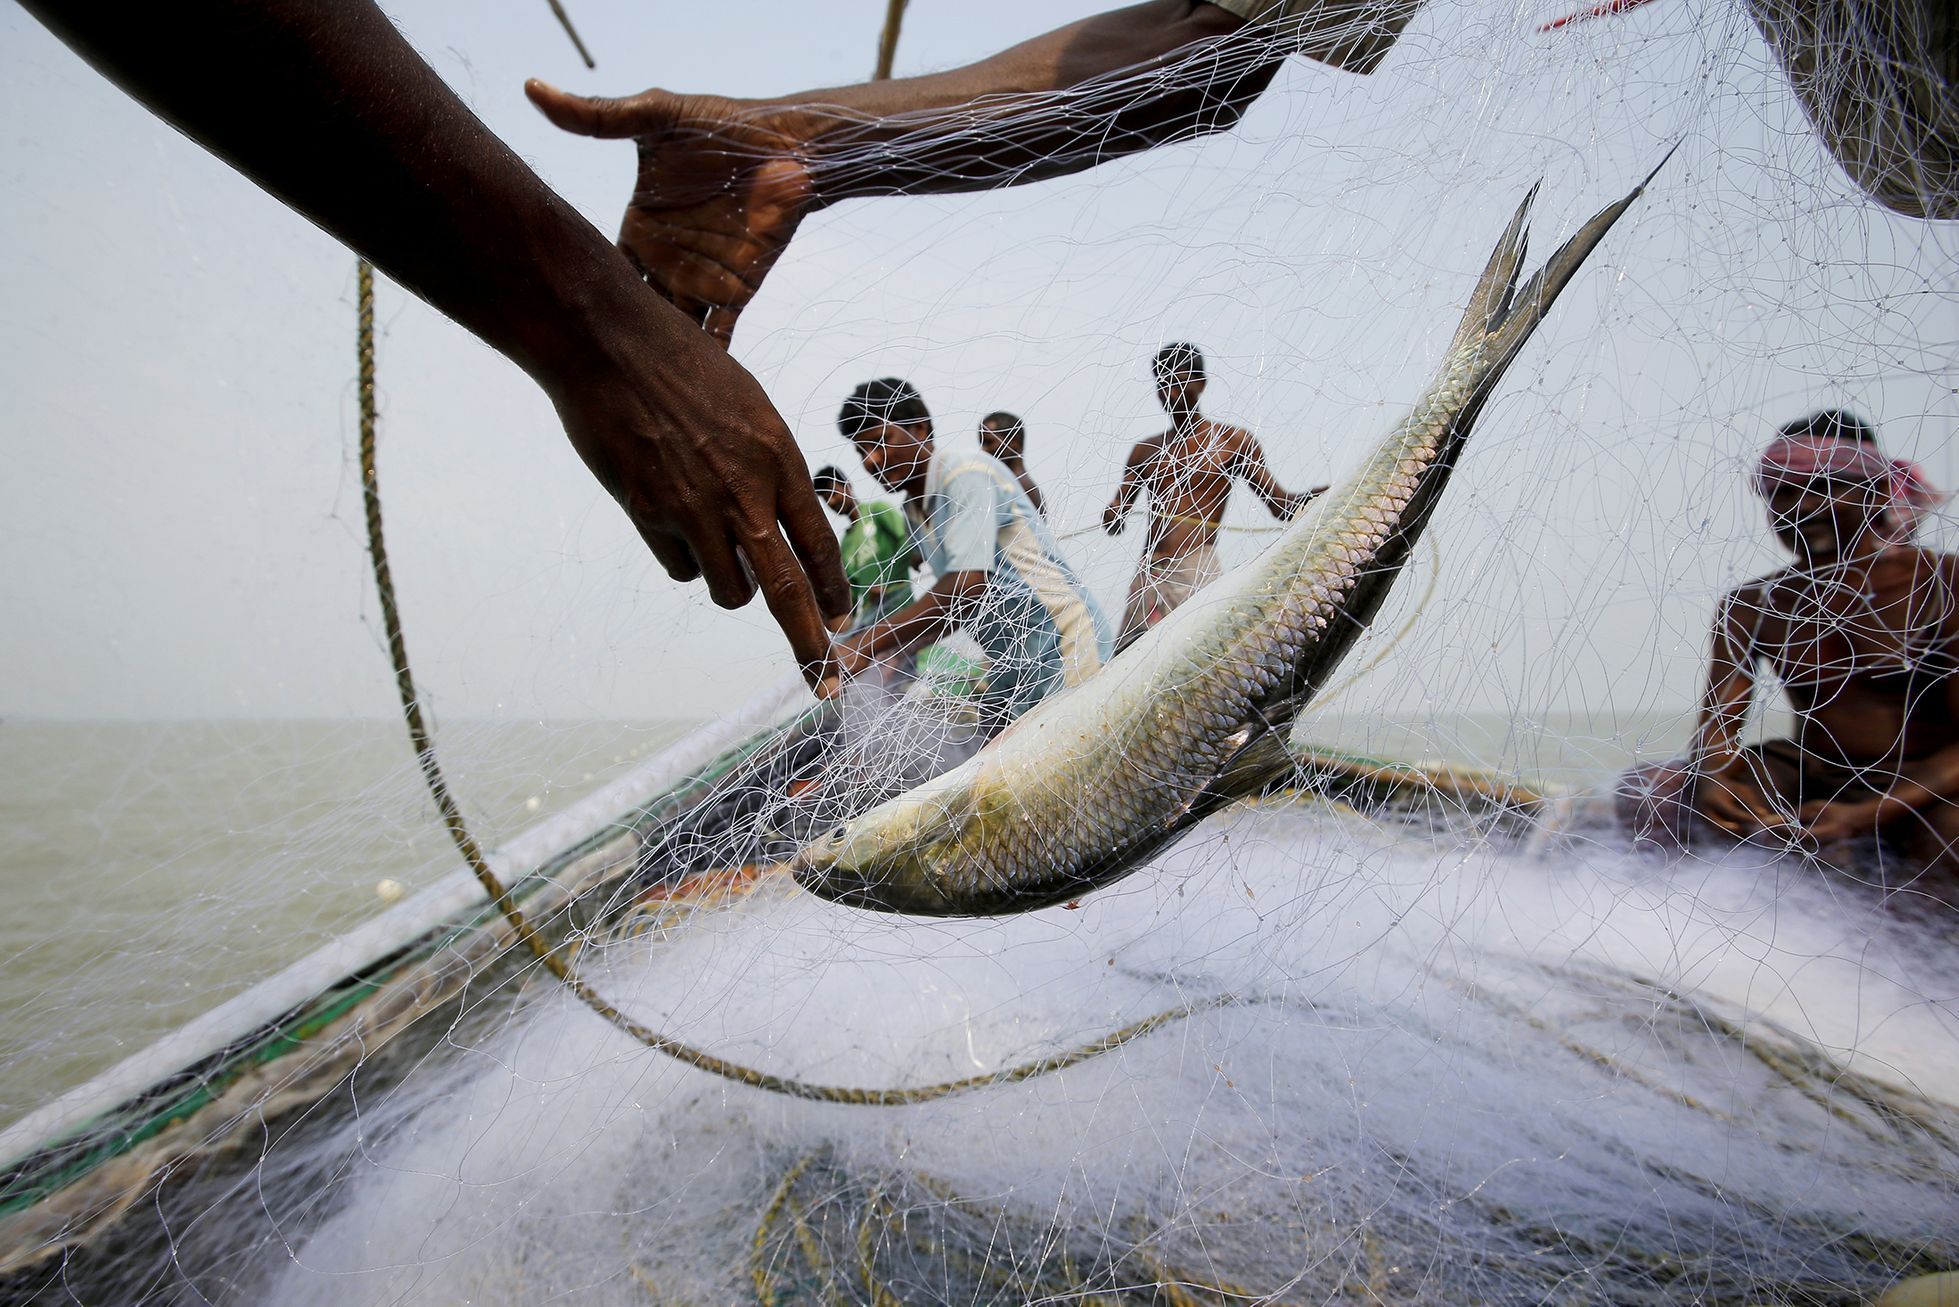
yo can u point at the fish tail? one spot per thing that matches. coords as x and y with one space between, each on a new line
1491 299
1517 315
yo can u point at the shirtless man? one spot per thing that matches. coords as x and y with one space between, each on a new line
1004 436
723 183
1862 631
1188 471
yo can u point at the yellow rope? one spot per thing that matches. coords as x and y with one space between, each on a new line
552 958
759 1262
565 20
867 1231
1401 633
887 41
1184 519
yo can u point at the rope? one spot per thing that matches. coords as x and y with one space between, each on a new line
1185 519
1421 606
452 821
887 41
564 19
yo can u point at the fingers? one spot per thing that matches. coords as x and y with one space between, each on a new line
671 552
815 546
705 292
728 580
586 115
719 320
785 589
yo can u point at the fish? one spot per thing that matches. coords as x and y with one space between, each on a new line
1194 716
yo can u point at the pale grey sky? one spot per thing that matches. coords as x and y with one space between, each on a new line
179 523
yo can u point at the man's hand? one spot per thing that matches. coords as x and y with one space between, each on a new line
1739 806
343 121
1840 819
1828 821
694 452
722 187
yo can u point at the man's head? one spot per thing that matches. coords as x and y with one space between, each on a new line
1003 436
1831 424
1179 371
892 430
1827 488
833 488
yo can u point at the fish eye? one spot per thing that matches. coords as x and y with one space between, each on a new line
837 831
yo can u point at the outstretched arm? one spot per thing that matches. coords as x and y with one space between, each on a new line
326 106
1248 462
1126 492
724 183
918 623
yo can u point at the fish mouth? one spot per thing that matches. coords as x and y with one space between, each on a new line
850 886
816 867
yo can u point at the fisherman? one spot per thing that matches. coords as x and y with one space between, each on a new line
331 110
1187 471
878 553
724 183
999 574
1862 631
1004 436
1913 496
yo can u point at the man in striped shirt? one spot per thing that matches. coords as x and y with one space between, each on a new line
1000 575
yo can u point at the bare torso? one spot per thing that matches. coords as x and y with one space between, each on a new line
1188 476
1870 662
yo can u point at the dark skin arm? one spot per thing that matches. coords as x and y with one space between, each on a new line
1929 781
1248 461
1132 485
1924 784
920 622
324 104
724 183
1033 491
1724 792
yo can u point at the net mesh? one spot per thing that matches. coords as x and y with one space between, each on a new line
1441 1032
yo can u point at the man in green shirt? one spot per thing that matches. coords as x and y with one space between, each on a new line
878 556
877 550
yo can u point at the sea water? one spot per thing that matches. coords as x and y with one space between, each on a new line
151 870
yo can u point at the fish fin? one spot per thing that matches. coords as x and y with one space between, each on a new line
1252 770
1491 299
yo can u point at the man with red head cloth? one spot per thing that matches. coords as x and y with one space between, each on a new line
1862 631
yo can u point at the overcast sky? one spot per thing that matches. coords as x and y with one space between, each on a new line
179 518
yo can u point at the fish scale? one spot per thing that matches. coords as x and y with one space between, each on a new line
1193 715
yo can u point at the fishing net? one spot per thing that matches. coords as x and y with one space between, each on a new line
1423 1025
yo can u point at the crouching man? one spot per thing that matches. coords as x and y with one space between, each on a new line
1862 631
1000 575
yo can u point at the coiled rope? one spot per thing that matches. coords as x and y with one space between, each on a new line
452 821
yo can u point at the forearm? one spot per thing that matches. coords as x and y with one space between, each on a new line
1102 88
1924 783
918 623
326 106
1054 61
